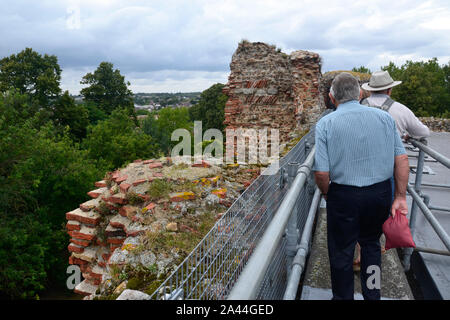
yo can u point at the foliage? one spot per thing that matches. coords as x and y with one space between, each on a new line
362 69
159 188
95 114
117 141
66 113
107 89
31 73
42 175
160 125
425 87
210 108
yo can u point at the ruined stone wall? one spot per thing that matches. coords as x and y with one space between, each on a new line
436 124
270 89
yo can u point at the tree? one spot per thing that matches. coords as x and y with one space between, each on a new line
107 89
117 140
160 125
42 176
362 69
210 108
425 88
31 73
67 113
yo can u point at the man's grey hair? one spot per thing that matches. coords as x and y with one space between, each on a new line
345 87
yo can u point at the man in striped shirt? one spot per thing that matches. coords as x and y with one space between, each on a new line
358 150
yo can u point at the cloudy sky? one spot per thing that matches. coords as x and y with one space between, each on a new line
186 45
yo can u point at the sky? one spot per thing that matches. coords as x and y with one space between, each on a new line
187 45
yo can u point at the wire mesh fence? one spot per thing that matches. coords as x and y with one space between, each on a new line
211 269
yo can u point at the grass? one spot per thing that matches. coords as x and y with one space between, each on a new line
159 188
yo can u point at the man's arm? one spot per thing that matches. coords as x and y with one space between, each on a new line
401 174
323 181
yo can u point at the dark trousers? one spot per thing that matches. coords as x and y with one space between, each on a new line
355 214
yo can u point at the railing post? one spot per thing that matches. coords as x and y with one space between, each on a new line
412 219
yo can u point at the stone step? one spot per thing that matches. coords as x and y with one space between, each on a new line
89 217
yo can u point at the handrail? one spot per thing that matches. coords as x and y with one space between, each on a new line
300 258
418 203
431 219
248 284
434 154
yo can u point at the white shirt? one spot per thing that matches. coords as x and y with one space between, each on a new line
406 121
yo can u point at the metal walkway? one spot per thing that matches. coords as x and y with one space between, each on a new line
433 270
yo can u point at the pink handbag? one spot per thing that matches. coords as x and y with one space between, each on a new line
397 232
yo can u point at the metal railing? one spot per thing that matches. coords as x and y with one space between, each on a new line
421 201
251 279
211 270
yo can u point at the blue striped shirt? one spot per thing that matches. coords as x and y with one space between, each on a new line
357 145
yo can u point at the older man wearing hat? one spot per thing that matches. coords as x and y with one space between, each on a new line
380 85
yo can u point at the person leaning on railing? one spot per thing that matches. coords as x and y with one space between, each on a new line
357 150
380 86
408 125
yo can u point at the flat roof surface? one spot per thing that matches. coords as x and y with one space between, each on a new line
438 266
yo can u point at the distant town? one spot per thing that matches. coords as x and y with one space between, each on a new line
156 101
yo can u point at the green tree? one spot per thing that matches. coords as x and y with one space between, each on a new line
117 140
42 176
160 125
31 73
424 87
362 69
75 116
210 108
107 89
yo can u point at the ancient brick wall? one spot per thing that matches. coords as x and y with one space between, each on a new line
270 89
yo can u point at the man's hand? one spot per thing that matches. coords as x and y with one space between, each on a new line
400 205
323 180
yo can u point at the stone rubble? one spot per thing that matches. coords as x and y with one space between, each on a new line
110 230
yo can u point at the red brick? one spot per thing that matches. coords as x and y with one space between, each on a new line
106 256
158 174
87 220
100 184
80 262
137 161
155 165
124 187
101 243
72 227
144 197
74 248
94 194
118 198
125 211
150 207
82 236
121 179
203 164
147 161
138 182
82 243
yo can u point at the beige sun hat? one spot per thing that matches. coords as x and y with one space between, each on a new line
380 80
